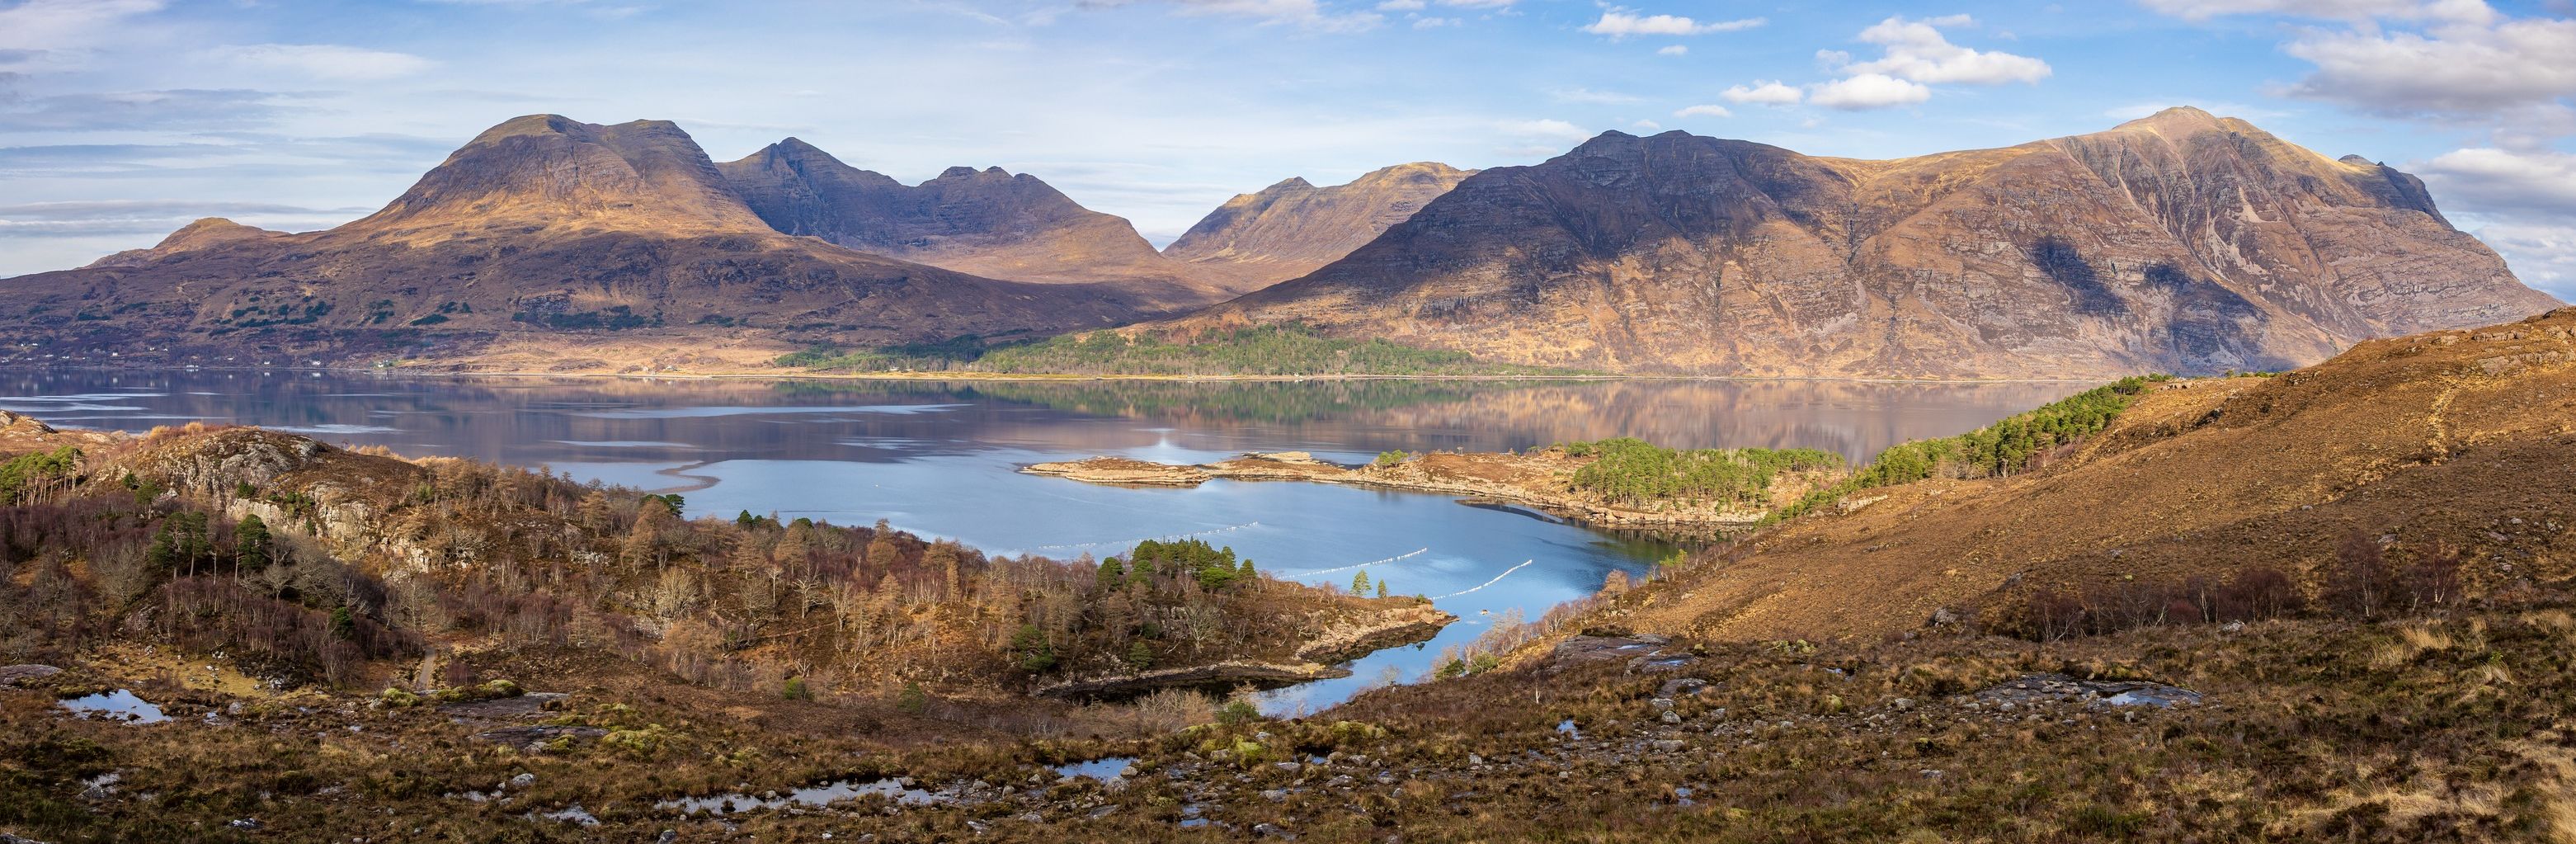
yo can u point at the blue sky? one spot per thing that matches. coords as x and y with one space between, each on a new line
122 119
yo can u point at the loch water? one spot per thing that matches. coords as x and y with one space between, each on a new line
942 458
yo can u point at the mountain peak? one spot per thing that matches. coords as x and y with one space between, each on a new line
1291 228
2179 121
526 126
204 233
1415 170
798 146
206 230
1609 138
550 170
2180 242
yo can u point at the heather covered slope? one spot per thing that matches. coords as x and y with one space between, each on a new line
2447 445
546 240
986 222
2180 242
1293 228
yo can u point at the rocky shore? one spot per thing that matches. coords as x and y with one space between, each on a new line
1222 676
1315 660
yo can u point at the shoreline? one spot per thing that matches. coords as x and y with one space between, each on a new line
6 366
1529 481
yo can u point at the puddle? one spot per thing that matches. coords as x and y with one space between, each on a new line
1103 770
575 814
2164 697
1567 727
119 705
819 795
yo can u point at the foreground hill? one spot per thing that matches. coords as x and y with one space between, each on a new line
986 222
2443 455
1293 228
2180 242
543 243
2410 686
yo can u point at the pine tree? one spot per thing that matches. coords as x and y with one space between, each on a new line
1381 589
1112 573
1360 583
250 544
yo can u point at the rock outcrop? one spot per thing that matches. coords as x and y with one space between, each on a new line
1293 228
2180 242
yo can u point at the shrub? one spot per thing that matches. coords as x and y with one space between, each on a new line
1632 471
1237 712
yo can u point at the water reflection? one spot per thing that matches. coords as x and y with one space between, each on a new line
941 459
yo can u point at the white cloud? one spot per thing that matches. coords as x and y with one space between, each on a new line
2453 68
1674 50
1867 91
1647 125
328 61
1402 6
1704 111
65 24
2542 182
1914 56
1308 14
1917 51
1618 22
2411 58
2523 204
1548 129
1762 92
39 32
2348 9
2543 255
1587 95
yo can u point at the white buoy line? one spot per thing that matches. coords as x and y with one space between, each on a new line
1364 565
1497 579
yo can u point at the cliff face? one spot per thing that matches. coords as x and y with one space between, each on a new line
985 222
545 235
1293 228
2181 242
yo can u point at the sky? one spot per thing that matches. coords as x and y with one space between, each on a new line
121 120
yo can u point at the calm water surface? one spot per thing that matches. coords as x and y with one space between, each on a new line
942 459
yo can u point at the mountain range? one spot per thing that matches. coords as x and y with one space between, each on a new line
2180 242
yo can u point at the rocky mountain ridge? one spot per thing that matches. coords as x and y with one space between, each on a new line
543 244
1293 228
986 222
2179 242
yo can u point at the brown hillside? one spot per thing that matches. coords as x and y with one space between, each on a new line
1293 228
546 243
987 222
2181 242
2463 438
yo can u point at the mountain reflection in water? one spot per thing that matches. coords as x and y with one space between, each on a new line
941 458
